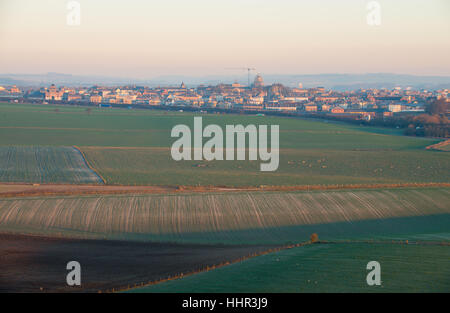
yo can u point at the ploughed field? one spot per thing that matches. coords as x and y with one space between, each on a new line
45 164
326 268
234 218
132 147
38 264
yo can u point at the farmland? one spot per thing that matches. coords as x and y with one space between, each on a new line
153 208
129 147
154 166
50 125
45 164
237 218
325 268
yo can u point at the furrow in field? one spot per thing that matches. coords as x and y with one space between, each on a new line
173 216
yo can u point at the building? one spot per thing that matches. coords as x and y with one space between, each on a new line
257 100
53 93
395 108
284 106
337 110
95 99
252 107
310 107
259 82
14 89
296 99
325 107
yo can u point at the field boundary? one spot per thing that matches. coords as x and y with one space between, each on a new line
33 190
270 251
206 269
89 165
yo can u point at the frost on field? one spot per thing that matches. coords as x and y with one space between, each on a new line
45 164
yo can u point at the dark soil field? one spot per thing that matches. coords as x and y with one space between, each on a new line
38 264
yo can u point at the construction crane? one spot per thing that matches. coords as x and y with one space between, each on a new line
248 69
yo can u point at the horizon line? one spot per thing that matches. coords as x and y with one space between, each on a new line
212 75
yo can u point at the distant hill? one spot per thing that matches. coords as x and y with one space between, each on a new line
60 79
330 81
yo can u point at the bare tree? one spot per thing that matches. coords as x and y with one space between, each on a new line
439 106
314 238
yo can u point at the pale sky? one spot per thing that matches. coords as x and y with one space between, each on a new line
144 39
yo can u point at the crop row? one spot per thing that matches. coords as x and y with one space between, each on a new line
176 217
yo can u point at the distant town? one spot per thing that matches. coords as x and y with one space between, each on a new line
362 104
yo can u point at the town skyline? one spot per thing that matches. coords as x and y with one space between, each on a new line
257 96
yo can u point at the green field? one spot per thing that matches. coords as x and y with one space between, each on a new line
154 166
132 147
235 218
325 268
45 164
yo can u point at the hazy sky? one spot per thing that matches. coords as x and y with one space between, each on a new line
143 39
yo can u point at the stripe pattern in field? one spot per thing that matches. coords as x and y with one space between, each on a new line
45 164
174 217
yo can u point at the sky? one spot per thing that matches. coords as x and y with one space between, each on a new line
148 38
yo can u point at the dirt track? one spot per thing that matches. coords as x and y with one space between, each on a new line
30 190
439 145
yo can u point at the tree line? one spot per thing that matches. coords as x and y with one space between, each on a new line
433 123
